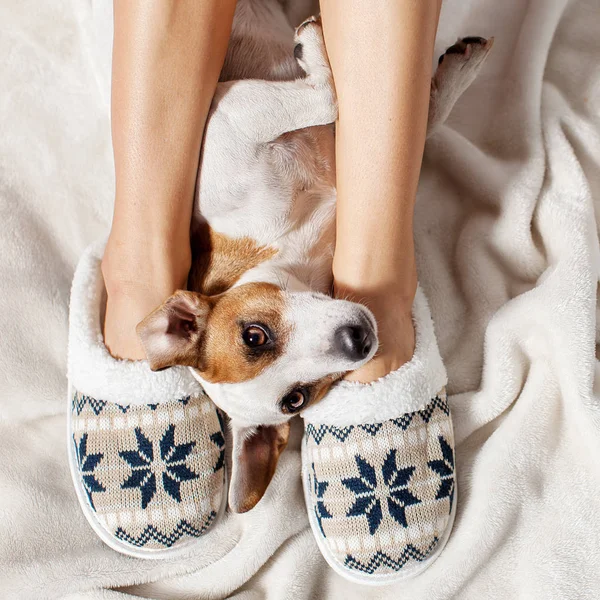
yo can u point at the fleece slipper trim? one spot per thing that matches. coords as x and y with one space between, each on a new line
92 368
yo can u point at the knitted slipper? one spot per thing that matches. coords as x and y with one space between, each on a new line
378 467
146 450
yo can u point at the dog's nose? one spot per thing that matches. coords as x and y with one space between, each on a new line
354 341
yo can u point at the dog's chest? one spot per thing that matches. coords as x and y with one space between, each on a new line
266 192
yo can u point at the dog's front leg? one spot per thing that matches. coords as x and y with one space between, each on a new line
264 110
457 69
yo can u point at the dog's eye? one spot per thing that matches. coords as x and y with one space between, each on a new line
295 400
255 336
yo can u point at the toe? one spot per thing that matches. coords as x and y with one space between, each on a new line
458 48
309 21
474 40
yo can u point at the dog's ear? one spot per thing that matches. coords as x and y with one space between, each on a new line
256 451
171 335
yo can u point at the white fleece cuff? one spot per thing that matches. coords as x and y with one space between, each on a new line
406 390
91 368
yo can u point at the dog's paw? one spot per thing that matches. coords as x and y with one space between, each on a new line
459 65
309 51
457 68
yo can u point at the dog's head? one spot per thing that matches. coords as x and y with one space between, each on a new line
262 354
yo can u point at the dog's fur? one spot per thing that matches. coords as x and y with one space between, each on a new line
257 327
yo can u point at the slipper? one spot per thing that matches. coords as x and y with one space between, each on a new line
146 449
378 467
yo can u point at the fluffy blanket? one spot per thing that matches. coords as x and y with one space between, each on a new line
508 255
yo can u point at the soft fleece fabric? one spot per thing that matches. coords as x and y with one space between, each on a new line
90 367
508 257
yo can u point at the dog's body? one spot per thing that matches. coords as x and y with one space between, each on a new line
256 328
267 171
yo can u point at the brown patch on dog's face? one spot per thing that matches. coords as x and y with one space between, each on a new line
226 355
312 392
219 261
228 338
321 387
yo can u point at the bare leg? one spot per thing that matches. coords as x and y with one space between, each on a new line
167 57
380 54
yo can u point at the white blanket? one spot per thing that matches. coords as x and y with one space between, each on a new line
508 255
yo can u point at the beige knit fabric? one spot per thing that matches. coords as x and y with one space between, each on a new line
382 493
153 474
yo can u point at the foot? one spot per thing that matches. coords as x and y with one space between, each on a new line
310 52
392 308
396 335
459 65
137 280
146 449
457 68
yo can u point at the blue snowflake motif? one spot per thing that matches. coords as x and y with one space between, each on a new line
321 511
140 461
78 403
445 469
397 481
173 457
218 439
394 491
87 466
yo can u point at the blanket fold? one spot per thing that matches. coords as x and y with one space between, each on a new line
506 228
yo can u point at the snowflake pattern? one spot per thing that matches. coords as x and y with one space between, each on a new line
140 461
368 494
165 460
87 466
173 459
319 488
218 439
445 469
397 481
370 478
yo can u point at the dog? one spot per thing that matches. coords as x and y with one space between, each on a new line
258 327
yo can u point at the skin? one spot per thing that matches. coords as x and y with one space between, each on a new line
381 57
166 62
167 57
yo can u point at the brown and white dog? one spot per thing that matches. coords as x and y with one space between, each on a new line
257 327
